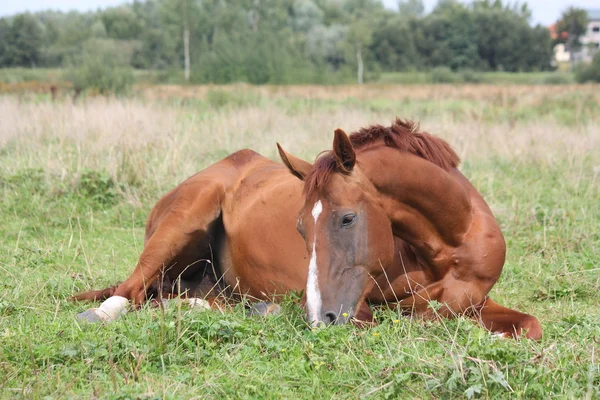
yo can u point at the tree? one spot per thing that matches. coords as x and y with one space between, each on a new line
23 42
183 13
393 44
411 8
448 37
325 44
121 23
102 65
284 41
306 15
360 16
359 38
4 44
573 22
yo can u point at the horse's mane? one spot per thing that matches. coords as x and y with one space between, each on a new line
403 135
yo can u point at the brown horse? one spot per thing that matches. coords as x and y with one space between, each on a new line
386 218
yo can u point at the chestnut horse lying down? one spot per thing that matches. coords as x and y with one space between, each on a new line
384 218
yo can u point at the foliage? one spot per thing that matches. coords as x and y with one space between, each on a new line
411 8
97 186
571 25
21 41
102 66
590 72
286 41
444 75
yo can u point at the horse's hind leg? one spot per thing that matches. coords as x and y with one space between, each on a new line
503 320
457 297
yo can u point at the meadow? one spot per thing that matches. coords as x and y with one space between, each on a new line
77 182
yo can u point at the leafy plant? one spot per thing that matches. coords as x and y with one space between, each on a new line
98 186
103 66
590 72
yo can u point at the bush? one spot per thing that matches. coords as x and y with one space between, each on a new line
589 72
444 75
557 78
103 66
97 186
471 76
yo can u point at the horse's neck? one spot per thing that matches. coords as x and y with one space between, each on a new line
427 206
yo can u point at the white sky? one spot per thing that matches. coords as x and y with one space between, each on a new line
544 11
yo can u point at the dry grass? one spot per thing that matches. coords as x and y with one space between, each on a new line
476 92
166 142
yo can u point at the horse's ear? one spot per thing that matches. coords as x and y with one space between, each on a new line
343 150
298 167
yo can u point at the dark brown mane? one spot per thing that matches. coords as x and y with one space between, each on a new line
402 135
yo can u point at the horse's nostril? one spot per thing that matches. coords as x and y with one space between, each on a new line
330 317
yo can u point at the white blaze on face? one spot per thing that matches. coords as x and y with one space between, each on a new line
313 295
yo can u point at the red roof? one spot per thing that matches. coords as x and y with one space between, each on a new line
554 34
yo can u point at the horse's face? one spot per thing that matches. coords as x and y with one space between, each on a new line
349 239
347 234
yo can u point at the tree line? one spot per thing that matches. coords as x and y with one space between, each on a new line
282 41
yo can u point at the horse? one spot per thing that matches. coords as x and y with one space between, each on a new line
385 218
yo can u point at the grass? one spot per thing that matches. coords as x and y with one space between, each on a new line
78 181
441 75
15 76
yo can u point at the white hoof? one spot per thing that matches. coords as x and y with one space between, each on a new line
110 310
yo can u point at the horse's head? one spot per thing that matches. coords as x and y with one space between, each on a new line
347 233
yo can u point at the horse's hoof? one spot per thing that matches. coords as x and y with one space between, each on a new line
200 304
264 308
89 316
108 311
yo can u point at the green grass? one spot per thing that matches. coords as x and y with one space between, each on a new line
77 182
436 75
17 75
442 75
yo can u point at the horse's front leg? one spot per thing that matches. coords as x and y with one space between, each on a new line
184 224
158 254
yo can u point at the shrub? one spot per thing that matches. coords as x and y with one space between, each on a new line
444 75
590 72
557 78
97 186
102 66
471 76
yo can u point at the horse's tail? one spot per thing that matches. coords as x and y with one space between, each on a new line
94 295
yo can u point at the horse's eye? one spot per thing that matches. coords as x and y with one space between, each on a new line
348 220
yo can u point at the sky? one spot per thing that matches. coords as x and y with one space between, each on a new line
545 12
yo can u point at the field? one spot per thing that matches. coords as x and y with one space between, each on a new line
16 76
78 180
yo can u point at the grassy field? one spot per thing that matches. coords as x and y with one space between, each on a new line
17 76
78 180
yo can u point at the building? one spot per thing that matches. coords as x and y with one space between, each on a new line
590 41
